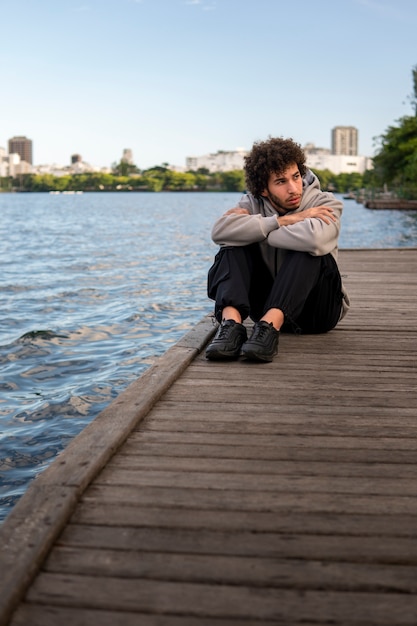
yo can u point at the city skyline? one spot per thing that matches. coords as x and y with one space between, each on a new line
175 78
340 136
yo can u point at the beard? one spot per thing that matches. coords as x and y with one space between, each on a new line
284 206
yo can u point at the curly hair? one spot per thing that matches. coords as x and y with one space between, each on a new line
272 156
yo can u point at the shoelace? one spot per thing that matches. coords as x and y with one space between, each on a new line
224 331
260 331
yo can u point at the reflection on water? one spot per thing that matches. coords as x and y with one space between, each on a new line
94 287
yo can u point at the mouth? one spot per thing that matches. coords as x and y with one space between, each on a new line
294 200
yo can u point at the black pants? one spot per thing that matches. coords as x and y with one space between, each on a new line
307 289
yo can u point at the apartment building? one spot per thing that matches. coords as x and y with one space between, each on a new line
23 147
221 161
345 140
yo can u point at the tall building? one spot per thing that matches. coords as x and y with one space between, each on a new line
323 159
21 146
127 156
345 140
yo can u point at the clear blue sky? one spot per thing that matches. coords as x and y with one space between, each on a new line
176 78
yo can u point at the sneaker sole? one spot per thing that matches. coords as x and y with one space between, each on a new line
220 356
260 358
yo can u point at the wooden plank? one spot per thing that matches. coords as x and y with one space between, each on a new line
150 463
100 512
214 451
256 571
40 615
391 445
296 413
245 481
362 549
223 600
232 426
240 500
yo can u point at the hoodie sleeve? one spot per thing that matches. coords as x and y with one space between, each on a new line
311 235
241 230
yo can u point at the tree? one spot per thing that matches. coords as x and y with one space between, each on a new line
396 161
179 181
414 96
326 178
233 180
348 181
201 180
124 168
5 183
154 181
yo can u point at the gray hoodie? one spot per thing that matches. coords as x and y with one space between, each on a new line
311 235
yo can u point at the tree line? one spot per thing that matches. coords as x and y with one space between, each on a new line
160 178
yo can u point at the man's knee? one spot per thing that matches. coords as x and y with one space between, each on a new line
230 277
231 263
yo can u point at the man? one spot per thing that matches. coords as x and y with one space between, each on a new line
277 258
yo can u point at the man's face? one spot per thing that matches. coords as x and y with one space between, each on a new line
285 189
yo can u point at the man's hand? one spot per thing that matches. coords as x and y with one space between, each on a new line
321 212
237 211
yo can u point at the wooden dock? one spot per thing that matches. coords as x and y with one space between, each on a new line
240 494
391 203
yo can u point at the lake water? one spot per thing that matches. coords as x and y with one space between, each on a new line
93 288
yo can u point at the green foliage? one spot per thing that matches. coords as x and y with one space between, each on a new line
202 180
178 181
154 179
326 178
163 179
349 182
414 96
233 180
5 183
123 168
396 162
339 183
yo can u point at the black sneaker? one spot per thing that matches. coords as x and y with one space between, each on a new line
227 342
262 344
